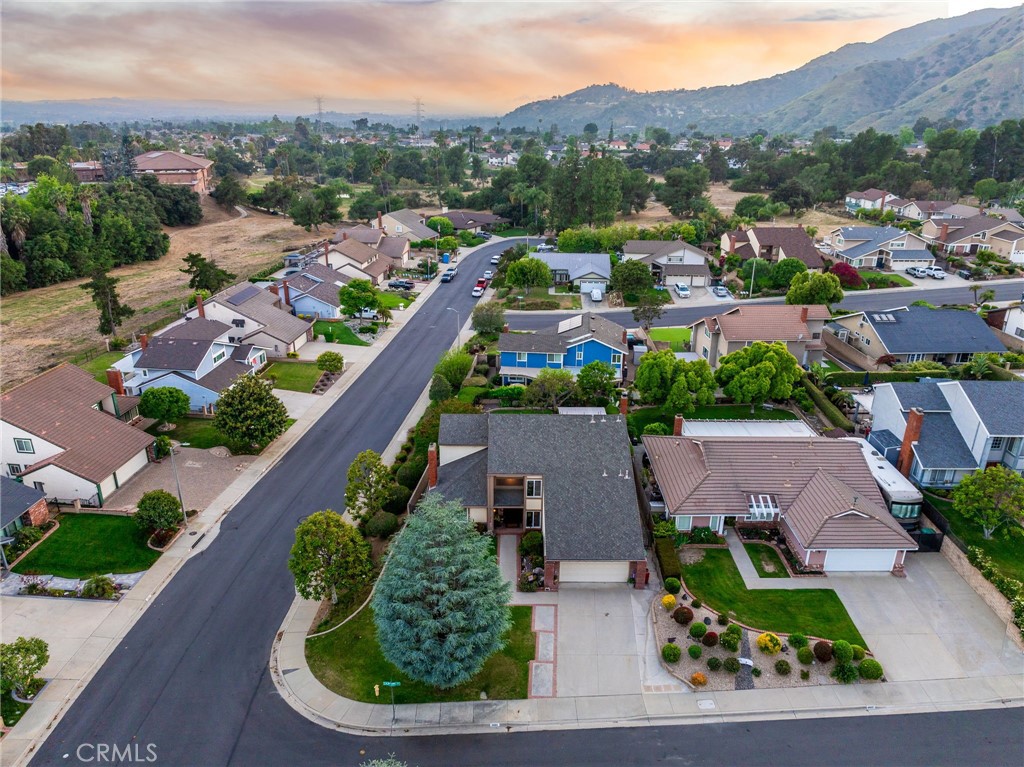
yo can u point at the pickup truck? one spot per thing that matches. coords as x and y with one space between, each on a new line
449 274
401 284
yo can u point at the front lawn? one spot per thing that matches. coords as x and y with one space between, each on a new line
337 332
818 612
293 376
469 393
349 662
563 300
11 709
658 296
394 300
91 544
98 365
197 432
513 232
638 419
1007 553
763 556
882 280
678 337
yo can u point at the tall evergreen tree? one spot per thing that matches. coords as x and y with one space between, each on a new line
103 288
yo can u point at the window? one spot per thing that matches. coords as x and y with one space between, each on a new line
915 357
23 446
14 469
39 486
398 228
238 323
616 359
554 359
705 352
707 332
965 356
997 443
579 355
533 519
145 373
521 358
534 488
866 340
218 357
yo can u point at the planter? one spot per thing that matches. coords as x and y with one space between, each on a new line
30 701
167 545
26 552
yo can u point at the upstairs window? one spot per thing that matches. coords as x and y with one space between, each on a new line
23 445
534 488
521 358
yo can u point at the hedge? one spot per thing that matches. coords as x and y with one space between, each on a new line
665 549
891 376
999 374
266 274
834 414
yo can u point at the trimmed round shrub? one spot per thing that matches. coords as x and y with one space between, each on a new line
732 665
723 619
845 673
710 639
668 602
671 653
532 544
823 651
398 499
672 585
782 667
734 628
870 669
714 663
755 671
695 651
697 603
698 679
805 655
697 630
682 615
842 651
410 472
797 641
769 643
858 652
383 525
730 642
805 674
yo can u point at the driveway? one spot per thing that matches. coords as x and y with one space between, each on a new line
929 625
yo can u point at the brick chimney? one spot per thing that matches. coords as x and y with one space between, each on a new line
199 305
677 426
625 336
732 243
284 291
624 404
344 236
803 314
327 250
380 220
273 289
911 435
115 380
432 465
144 341
944 231
505 328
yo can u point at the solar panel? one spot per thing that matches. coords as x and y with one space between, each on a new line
570 324
243 295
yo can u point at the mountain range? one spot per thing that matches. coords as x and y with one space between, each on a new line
968 67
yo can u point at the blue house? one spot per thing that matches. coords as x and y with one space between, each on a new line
313 291
573 343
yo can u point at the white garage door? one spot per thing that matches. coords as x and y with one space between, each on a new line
588 285
699 280
593 572
859 560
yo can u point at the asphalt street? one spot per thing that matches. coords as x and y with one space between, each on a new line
192 676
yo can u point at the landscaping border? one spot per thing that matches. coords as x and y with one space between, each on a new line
26 552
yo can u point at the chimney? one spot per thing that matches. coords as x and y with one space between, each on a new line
115 380
380 220
432 465
625 336
803 314
327 251
273 289
943 232
285 296
505 328
677 426
144 341
732 243
624 404
199 305
910 435
344 236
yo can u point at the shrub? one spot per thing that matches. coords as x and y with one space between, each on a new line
664 529
732 665
397 500
858 652
730 642
682 615
671 653
476 381
710 639
782 667
668 602
714 664
527 583
657 429
99 587
162 446
848 276
703 535
698 679
823 651
734 628
797 641
832 413
805 655
845 673
842 651
665 549
698 630
769 643
330 362
532 544
481 370
755 671
723 619
383 525
158 510
695 651
870 669
292 355
697 604
805 674
411 471
672 585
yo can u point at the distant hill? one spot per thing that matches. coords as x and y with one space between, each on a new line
862 84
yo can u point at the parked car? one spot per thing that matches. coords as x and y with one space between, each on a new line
401 284
481 283
935 272
488 275
545 248
449 274
720 291
917 271
595 296
484 235
966 274
496 259
683 291
478 290
367 314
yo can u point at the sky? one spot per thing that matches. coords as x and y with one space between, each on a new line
459 57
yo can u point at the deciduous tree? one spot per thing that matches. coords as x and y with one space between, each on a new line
158 510
632 277
164 403
552 387
330 362
358 295
249 413
992 499
454 366
758 373
20 662
595 383
814 288
329 556
442 225
367 486
694 386
647 311
528 273
488 318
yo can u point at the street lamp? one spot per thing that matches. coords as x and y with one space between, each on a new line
177 484
458 324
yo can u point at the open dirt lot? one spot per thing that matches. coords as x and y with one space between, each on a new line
43 327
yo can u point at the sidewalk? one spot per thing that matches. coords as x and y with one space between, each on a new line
754 581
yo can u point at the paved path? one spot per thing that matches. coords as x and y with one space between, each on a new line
754 581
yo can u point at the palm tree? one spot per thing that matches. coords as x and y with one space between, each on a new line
974 289
385 315
988 295
518 193
380 169
978 367
86 195
17 219
537 199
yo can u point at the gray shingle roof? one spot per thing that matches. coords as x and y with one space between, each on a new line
222 376
464 480
920 330
463 429
263 308
578 264
1000 404
941 446
15 499
198 329
555 340
874 237
924 394
170 353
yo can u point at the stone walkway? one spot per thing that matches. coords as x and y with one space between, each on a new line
754 581
543 667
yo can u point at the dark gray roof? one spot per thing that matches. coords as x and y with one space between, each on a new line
541 342
568 332
885 439
464 480
920 330
941 446
165 353
243 295
1000 405
242 352
924 394
463 429
15 499
222 376
198 329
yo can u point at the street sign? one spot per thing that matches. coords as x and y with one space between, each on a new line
392 684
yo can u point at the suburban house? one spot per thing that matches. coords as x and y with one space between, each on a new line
573 343
1008 320
585 271
925 210
799 327
404 223
313 291
65 434
568 476
468 220
88 171
201 357
869 199
356 260
177 168
966 236
397 250
23 506
670 261
360 232
915 333
820 492
257 317
880 247
938 432
772 243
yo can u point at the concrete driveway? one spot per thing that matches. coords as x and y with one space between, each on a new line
929 625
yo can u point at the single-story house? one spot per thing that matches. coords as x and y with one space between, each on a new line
820 492
568 476
569 345
670 261
772 243
800 327
468 220
22 506
880 247
586 271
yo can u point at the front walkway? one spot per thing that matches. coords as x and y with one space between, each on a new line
754 581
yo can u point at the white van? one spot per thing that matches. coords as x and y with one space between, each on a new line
595 296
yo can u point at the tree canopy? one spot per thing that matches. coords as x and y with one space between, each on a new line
758 373
992 499
367 485
164 403
661 379
204 274
528 273
249 413
329 556
814 288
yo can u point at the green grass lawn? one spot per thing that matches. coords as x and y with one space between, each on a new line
293 376
896 279
198 432
1007 553
98 365
338 332
640 418
678 337
818 612
659 296
393 300
91 544
349 662
469 393
830 366
11 709
764 556
512 232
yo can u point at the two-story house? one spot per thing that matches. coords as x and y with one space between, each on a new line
584 271
568 476
313 291
65 434
773 243
1008 320
869 199
879 247
799 327
938 432
178 169
671 261
258 317
573 343
967 236
915 333
356 260
404 223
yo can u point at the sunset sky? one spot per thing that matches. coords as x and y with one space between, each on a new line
459 57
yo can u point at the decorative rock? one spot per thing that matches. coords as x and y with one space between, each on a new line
707 621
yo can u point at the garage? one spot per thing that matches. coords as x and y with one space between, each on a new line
593 572
859 560
588 285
